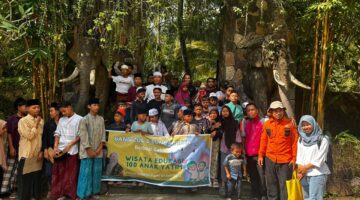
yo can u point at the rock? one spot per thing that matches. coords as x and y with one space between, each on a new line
241 54
229 59
355 185
238 76
339 187
238 39
260 28
229 73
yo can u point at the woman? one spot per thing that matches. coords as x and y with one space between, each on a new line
182 94
187 79
231 135
216 133
311 156
3 134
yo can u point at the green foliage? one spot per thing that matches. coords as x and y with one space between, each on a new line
345 138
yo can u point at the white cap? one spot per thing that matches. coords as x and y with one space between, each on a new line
213 94
245 104
275 105
124 66
183 108
157 74
153 112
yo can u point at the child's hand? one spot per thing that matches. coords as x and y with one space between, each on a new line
228 176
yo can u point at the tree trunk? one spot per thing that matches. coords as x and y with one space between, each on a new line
182 38
314 70
141 42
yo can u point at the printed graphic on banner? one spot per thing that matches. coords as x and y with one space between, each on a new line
180 161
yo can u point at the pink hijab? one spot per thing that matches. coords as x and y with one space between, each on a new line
2 147
181 95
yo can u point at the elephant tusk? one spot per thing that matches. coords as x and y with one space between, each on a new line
71 77
298 83
277 78
92 77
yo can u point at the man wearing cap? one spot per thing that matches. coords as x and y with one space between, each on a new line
92 139
64 179
30 154
123 83
277 151
9 177
139 104
157 126
157 83
169 109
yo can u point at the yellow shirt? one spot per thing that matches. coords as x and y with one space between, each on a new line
30 137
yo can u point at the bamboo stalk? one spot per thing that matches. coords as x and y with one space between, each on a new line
314 70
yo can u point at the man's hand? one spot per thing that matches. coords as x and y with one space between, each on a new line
299 176
12 152
260 161
40 156
91 153
301 169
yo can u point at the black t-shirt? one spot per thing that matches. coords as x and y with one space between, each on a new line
155 104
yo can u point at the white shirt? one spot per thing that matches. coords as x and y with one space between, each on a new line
123 84
149 95
67 130
159 129
315 156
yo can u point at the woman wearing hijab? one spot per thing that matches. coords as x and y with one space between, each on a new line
312 152
231 134
182 94
3 133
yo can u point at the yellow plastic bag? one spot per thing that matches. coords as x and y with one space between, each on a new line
294 188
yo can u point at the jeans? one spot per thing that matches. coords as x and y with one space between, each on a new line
233 185
314 187
276 175
257 177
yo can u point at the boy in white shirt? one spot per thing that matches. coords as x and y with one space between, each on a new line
158 127
123 83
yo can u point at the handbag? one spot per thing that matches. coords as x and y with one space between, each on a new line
294 188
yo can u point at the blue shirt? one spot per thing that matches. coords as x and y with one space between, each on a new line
234 164
146 127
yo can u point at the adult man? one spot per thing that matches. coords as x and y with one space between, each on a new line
149 95
66 165
92 139
9 177
30 154
210 86
277 151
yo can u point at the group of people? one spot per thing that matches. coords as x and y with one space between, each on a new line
69 149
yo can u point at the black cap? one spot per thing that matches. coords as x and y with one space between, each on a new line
188 112
65 104
54 105
94 101
32 102
170 92
19 102
157 88
137 75
142 111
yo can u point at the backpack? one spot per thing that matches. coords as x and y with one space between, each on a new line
329 158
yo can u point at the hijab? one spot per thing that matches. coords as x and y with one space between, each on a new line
181 95
229 126
2 147
309 139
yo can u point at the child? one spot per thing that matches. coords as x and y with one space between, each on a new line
216 134
200 121
118 124
157 102
235 108
169 109
205 106
141 125
182 94
201 93
139 104
132 90
214 102
157 126
186 127
203 172
92 139
123 83
233 164
180 116
193 172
